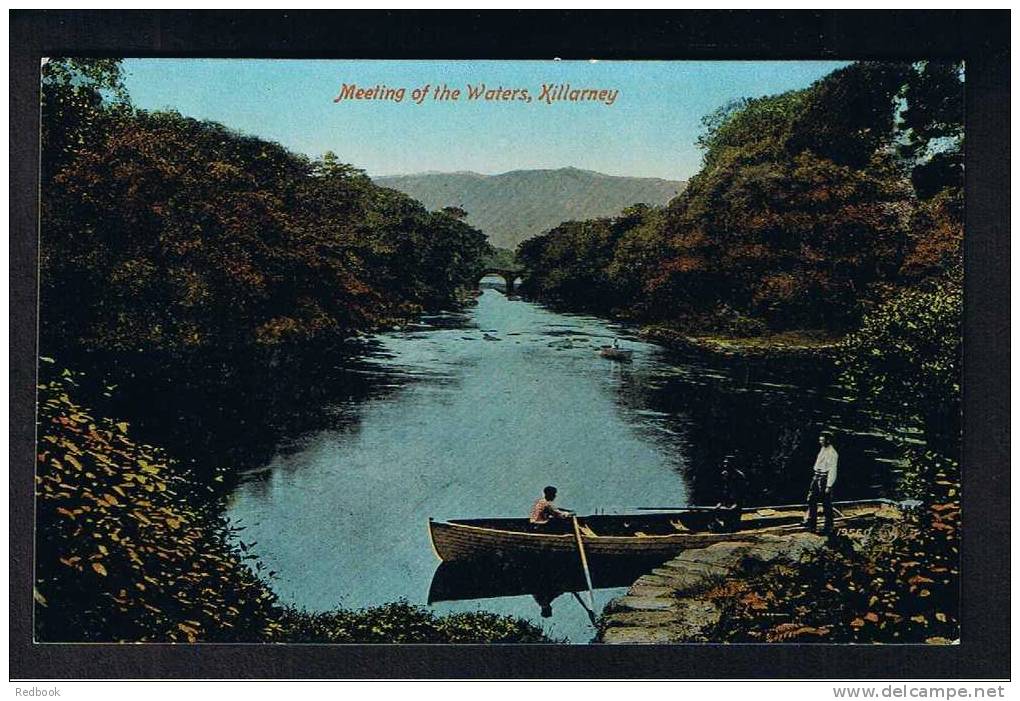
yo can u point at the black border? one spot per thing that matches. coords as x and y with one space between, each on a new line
980 37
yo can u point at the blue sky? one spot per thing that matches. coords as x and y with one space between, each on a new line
650 130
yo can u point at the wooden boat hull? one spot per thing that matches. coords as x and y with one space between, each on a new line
615 353
652 536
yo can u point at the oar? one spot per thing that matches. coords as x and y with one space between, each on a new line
674 508
584 561
591 614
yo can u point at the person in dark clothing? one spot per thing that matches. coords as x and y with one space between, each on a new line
732 490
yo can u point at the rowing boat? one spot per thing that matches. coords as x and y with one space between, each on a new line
614 353
651 535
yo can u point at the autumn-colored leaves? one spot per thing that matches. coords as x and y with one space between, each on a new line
126 549
163 233
803 215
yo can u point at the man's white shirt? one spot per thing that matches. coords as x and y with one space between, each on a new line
825 464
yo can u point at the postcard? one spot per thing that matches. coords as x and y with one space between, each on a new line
500 351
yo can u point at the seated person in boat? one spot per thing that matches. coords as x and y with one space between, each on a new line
823 478
546 517
728 510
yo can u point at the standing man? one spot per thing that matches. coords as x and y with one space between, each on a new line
822 481
731 499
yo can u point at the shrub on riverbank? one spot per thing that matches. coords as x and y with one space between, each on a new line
901 585
790 345
907 358
401 622
128 548
131 548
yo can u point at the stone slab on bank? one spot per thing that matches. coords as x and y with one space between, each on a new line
664 606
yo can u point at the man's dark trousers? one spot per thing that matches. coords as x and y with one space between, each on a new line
816 490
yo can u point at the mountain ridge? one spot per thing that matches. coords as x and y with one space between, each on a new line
519 204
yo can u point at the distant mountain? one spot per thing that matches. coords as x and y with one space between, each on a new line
514 206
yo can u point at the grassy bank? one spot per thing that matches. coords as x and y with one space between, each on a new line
786 344
132 547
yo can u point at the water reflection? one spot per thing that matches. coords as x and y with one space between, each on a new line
544 580
471 415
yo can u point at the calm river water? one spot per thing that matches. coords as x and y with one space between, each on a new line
472 414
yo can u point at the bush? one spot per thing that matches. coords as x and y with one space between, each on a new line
731 322
125 549
907 357
401 622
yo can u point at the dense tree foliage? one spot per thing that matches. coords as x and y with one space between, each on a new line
75 95
589 264
849 115
933 127
812 207
908 355
164 232
502 258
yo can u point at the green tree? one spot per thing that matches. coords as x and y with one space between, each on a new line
570 263
759 125
795 238
932 125
850 114
75 95
908 355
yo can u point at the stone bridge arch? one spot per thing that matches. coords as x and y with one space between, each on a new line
509 276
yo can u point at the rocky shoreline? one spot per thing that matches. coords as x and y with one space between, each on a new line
676 602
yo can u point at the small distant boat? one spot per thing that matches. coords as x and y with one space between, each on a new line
615 353
652 535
